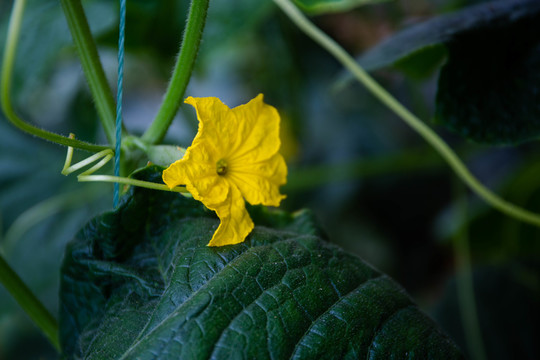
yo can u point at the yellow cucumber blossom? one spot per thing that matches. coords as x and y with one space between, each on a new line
234 156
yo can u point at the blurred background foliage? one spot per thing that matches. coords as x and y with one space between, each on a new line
376 187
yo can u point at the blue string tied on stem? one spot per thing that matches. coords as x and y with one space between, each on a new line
117 151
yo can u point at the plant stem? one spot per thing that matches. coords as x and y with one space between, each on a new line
465 283
181 74
91 65
5 86
422 129
30 304
133 182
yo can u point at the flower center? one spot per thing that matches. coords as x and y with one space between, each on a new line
221 167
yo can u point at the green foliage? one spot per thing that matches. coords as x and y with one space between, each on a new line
494 102
141 283
46 34
487 101
413 41
422 63
356 168
315 7
39 212
164 155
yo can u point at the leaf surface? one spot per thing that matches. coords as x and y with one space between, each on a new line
140 283
489 88
416 40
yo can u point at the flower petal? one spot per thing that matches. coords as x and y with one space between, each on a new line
259 182
248 132
257 131
197 170
244 142
217 123
235 221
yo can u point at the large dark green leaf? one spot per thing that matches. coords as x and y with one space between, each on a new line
425 39
140 283
331 6
489 89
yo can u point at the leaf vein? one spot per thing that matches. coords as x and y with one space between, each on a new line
332 306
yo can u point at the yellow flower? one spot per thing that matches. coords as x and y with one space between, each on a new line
234 156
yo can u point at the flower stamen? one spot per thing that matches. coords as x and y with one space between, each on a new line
221 167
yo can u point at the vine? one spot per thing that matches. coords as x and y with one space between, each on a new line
420 127
10 49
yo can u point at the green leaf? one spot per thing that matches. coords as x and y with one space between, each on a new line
165 155
316 7
424 62
413 41
140 283
489 89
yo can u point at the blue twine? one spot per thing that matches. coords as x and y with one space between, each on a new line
117 150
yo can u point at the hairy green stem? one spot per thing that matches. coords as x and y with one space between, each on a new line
5 86
422 129
181 74
91 65
28 301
